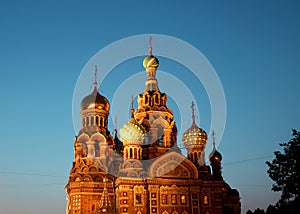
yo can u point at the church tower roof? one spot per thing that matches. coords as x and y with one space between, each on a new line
95 100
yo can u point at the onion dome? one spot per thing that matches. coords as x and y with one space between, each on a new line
132 133
194 136
95 101
150 62
215 156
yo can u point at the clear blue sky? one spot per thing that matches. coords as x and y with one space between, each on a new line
253 45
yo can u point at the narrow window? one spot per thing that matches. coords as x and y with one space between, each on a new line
100 124
173 199
205 200
138 199
97 120
164 199
92 121
183 199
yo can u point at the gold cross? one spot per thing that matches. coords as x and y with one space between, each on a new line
150 43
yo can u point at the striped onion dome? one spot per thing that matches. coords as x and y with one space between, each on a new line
132 133
150 62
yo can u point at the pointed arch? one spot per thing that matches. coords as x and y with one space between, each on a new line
165 212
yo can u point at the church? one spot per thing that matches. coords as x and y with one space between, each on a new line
140 168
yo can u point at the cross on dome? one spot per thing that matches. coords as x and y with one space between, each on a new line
193 111
95 76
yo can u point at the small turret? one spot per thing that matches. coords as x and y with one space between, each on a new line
215 159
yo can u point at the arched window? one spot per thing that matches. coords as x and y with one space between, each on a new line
101 121
135 153
97 120
92 120
156 99
87 121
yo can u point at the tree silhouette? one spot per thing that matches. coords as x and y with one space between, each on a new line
285 171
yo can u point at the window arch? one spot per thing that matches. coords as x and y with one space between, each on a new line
97 120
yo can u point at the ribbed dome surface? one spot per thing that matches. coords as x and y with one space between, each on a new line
194 136
132 133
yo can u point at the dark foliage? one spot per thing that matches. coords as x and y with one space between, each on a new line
285 170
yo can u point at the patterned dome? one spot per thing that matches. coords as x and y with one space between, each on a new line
95 100
194 136
150 62
132 133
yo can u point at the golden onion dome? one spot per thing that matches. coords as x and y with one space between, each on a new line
132 133
150 62
194 136
95 101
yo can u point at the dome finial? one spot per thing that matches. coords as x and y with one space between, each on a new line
95 76
150 62
213 139
150 46
193 111
116 127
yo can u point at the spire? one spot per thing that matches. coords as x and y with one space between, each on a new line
193 111
95 76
